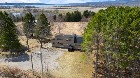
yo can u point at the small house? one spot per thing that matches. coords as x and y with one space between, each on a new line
64 41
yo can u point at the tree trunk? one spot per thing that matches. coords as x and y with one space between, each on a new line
27 44
41 45
96 61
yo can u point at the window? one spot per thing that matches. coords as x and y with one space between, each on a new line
60 43
59 39
68 39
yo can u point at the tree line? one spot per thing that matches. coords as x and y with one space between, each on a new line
75 16
9 34
115 35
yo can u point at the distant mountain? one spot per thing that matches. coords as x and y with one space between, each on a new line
127 0
24 4
124 0
94 4
109 3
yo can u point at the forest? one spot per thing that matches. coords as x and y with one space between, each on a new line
115 35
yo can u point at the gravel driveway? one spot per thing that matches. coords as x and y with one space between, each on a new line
49 55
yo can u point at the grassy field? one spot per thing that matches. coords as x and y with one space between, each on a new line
74 65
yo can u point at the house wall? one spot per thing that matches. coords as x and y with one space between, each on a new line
63 41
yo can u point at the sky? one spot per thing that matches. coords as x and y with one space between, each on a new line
52 1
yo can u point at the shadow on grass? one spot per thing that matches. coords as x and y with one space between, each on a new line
18 56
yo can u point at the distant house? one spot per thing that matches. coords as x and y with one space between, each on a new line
17 14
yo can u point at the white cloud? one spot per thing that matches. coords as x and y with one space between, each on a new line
25 1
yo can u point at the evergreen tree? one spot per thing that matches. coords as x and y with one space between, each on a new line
76 16
43 30
92 13
115 34
73 17
68 17
8 37
28 26
54 17
60 16
86 14
2 22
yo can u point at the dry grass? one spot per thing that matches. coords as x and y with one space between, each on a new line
65 27
69 27
75 65
33 43
7 72
72 9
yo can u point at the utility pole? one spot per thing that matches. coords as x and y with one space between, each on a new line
40 53
41 62
32 63
41 65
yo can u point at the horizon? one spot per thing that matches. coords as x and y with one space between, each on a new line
52 1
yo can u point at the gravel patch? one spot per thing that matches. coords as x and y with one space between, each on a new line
49 58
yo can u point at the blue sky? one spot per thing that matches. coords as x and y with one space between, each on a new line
53 1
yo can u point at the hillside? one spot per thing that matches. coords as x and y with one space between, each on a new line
65 27
68 27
